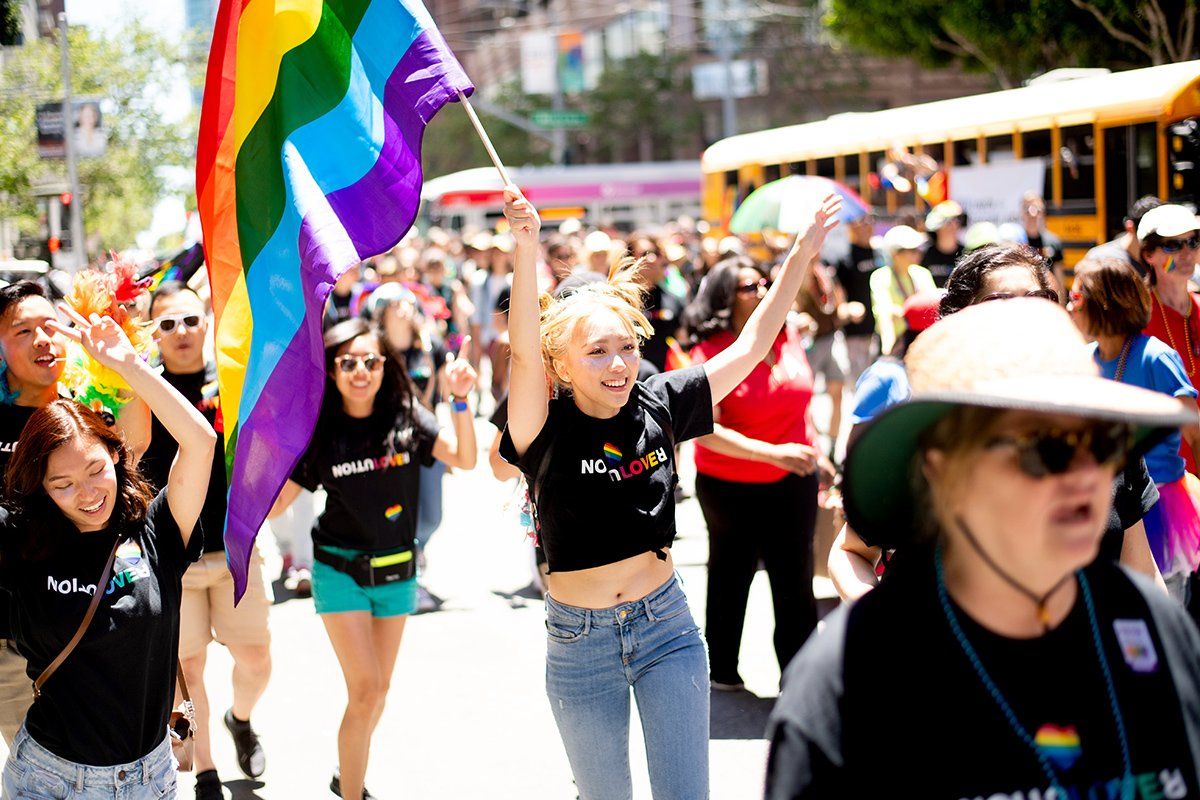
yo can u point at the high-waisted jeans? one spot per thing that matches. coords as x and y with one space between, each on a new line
32 771
593 657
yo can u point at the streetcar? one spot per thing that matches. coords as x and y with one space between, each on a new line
626 196
1091 144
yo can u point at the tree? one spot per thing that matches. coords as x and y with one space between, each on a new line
10 23
1014 39
131 71
451 143
642 110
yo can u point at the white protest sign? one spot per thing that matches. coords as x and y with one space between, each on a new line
992 192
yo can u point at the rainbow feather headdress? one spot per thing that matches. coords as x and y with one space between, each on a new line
105 293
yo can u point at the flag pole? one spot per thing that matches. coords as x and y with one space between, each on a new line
483 137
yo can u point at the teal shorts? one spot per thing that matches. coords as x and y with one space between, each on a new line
335 592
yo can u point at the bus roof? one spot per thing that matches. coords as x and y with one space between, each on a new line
1150 92
579 181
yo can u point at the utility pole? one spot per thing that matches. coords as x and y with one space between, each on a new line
78 247
558 147
725 50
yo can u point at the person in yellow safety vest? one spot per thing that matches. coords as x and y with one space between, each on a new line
895 283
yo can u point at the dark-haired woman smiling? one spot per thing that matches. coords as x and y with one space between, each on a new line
757 475
76 511
372 436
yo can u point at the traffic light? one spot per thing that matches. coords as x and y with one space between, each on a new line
1183 152
65 199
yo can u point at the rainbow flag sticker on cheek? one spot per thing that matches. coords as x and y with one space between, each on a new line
612 453
1060 745
393 513
1170 267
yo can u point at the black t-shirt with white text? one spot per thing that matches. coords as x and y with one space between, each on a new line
608 490
664 311
109 701
370 469
12 422
200 389
885 701
854 273
940 264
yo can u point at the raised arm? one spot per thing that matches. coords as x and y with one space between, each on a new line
187 482
458 449
730 367
527 391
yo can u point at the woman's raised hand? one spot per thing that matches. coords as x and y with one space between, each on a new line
523 219
460 375
101 337
809 242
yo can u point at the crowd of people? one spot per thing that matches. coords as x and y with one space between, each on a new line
994 462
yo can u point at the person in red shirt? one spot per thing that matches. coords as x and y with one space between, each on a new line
757 475
1169 239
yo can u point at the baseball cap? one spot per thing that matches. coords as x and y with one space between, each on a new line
1168 220
902 237
942 213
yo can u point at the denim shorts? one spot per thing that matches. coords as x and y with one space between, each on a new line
34 773
335 592
650 648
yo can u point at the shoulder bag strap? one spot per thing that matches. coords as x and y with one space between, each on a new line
83 626
187 697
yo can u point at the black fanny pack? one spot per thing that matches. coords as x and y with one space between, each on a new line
368 570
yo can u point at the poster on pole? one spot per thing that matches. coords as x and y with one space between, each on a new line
570 62
539 63
992 192
91 137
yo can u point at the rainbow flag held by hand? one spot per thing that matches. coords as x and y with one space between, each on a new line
308 161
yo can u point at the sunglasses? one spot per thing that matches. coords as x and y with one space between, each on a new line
752 288
1052 452
189 321
1175 245
349 363
1044 294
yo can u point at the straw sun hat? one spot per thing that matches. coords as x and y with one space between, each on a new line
1016 354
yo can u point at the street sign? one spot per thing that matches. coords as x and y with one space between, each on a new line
567 118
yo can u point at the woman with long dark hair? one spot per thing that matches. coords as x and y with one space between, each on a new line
757 474
372 435
599 456
76 510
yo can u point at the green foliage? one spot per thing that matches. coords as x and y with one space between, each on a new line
10 22
1015 39
451 144
642 110
130 70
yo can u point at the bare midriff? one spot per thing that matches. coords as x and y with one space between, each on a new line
612 584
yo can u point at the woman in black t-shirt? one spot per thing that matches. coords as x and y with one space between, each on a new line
599 457
371 437
1000 658
73 501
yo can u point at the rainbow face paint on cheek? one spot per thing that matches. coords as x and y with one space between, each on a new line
1170 266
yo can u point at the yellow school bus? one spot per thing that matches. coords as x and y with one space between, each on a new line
1103 141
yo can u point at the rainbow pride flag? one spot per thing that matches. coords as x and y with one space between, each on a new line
308 161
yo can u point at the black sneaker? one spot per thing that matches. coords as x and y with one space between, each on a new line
335 786
208 786
250 756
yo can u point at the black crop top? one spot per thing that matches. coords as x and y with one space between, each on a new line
607 492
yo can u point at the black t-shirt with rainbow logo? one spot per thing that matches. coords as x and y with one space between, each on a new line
370 469
607 492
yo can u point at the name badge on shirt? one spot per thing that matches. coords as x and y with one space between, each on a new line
1136 645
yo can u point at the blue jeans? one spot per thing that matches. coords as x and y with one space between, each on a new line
593 657
34 773
429 510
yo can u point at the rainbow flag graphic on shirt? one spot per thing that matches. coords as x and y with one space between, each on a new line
393 512
1060 745
308 161
612 454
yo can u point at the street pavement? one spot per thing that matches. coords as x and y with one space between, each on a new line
467 715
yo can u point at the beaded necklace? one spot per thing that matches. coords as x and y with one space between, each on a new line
1128 785
1187 336
1125 357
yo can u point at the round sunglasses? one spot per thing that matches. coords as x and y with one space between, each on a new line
349 362
1052 452
1172 246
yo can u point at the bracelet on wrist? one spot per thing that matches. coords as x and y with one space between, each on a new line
459 403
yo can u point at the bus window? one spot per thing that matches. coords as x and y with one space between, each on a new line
1079 167
826 168
771 172
1036 144
1146 150
935 151
852 177
795 168
1130 170
999 148
966 153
